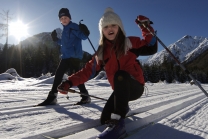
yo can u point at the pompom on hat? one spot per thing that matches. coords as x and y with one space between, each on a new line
64 12
109 17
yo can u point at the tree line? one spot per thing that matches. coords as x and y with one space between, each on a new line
171 72
32 61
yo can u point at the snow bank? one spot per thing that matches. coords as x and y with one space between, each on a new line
48 75
13 72
10 74
7 76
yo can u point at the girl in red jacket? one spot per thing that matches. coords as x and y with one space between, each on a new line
117 54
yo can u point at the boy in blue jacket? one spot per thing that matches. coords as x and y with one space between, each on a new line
71 50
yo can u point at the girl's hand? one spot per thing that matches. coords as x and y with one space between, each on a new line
64 87
142 20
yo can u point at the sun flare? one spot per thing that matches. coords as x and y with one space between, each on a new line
18 29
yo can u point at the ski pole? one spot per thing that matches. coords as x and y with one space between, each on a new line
179 63
88 38
91 44
74 91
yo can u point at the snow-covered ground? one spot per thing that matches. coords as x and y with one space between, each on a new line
179 111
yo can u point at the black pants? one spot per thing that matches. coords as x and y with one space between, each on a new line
72 64
125 89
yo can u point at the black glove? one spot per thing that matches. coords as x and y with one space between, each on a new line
54 36
84 29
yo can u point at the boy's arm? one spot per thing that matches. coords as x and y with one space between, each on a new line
55 38
80 34
81 31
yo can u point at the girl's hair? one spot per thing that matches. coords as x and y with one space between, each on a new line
119 45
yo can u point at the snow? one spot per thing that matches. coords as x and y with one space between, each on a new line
178 110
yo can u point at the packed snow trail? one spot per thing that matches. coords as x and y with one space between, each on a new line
18 119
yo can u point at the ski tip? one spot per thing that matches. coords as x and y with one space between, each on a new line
37 105
48 137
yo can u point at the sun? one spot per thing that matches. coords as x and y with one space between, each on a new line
18 29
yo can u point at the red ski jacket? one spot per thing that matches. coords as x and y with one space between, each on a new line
126 62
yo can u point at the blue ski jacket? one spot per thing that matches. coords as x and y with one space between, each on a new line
71 41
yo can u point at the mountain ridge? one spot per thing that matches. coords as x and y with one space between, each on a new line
186 49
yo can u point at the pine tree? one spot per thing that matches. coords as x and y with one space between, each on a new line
5 57
5 26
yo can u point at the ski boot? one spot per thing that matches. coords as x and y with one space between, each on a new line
84 100
115 128
50 100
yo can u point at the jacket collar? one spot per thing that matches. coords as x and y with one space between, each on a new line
67 25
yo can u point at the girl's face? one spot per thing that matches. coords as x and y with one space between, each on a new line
65 20
110 31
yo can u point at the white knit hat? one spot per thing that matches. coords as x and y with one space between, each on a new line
109 17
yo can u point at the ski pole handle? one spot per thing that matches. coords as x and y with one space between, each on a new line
89 39
80 21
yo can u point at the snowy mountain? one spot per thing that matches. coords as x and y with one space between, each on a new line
43 38
185 50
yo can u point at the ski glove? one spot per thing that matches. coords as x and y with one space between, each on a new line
142 20
64 87
54 36
84 29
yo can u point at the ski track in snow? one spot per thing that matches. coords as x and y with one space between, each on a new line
175 109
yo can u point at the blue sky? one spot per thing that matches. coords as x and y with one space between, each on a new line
172 19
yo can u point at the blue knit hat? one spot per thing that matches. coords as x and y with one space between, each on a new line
64 12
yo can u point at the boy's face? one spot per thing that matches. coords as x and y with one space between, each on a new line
64 20
110 31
